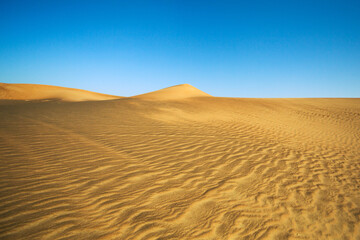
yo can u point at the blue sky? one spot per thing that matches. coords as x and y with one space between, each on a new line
225 48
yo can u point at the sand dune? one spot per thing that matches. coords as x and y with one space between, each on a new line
175 92
42 92
183 168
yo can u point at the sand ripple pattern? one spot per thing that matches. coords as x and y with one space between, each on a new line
202 168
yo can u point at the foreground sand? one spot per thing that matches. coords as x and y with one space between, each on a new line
191 168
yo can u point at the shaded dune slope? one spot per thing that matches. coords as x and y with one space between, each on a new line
184 168
41 92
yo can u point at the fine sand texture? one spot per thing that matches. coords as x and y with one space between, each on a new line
180 164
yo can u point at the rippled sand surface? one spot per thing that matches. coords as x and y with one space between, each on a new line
193 168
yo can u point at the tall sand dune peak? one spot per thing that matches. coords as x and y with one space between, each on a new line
42 92
175 92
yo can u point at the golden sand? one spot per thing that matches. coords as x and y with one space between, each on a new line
46 92
179 164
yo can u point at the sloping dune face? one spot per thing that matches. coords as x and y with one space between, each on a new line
42 92
195 168
175 92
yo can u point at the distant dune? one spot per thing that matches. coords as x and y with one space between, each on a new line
41 92
176 92
177 164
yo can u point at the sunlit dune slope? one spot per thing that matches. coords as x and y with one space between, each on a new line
175 92
41 92
185 168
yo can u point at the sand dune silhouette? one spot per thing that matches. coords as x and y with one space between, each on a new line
175 92
42 92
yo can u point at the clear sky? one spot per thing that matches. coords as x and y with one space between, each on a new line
258 48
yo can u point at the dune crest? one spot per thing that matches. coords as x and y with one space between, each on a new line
172 93
42 92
